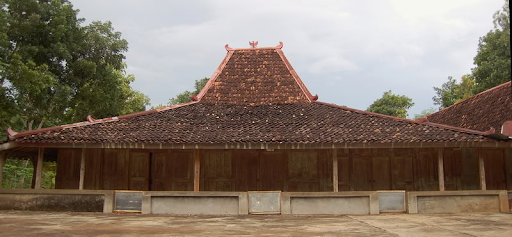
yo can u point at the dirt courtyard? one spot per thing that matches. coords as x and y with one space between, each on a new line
21 223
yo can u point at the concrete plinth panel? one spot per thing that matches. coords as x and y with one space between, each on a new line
337 203
195 203
457 201
510 201
57 200
392 201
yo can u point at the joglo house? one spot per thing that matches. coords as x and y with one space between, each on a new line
255 140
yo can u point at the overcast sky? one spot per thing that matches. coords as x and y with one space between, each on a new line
347 52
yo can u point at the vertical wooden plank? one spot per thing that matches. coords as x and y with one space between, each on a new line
335 170
2 163
82 170
481 169
197 170
440 168
39 168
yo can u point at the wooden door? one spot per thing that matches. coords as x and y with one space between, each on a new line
218 171
361 170
182 170
246 170
380 172
494 164
452 159
271 171
344 173
303 171
402 172
426 178
68 168
138 174
115 169
161 166
172 170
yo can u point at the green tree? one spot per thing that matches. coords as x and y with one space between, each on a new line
185 96
424 113
391 104
493 57
55 70
452 92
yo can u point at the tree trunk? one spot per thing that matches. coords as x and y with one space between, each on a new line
22 177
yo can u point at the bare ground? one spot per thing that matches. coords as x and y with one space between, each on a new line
24 223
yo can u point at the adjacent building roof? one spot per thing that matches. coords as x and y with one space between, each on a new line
255 96
488 109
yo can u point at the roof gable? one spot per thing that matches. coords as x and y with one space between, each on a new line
488 109
255 76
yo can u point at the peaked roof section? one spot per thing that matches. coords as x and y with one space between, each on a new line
255 76
488 109
255 96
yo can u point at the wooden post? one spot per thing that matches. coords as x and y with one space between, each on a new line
2 163
39 168
481 169
197 169
440 168
335 170
82 170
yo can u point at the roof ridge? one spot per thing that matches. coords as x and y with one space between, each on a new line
407 120
296 76
90 121
280 46
215 75
471 98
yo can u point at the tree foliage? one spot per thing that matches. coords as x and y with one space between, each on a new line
424 113
391 104
493 57
54 70
452 92
185 96
18 174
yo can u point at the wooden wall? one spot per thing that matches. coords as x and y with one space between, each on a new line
284 170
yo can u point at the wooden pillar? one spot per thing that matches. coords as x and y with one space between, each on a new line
335 170
2 163
481 169
82 170
440 168
39 168
197 168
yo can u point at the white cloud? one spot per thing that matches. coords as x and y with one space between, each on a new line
332 64
371 45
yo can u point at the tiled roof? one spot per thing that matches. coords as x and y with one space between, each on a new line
255 77
314 122
490 108
255 96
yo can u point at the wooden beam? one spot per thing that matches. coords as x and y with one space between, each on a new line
440 168
39 168
2 163
335 170
481 169
197 169
82 170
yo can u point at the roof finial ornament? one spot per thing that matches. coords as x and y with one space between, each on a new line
90 119
11 133
253 44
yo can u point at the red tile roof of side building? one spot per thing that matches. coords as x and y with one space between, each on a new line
488 109
255 96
